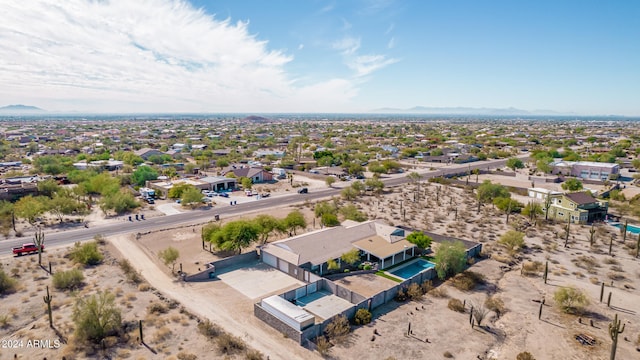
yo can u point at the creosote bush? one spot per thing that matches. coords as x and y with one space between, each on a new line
338 328
467 280
570 300
362 317
86 254
209 329
456 305
414 291
132 275
7 284
229 344
68 280
525 356
496 305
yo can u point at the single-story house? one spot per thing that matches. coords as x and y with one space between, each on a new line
256 174
586 169
377 242
146 153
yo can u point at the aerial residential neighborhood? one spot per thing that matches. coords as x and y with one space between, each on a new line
301 180
380 239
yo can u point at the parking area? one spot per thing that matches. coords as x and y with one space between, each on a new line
258 280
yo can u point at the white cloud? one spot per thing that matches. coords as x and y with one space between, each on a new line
347 45
148 56
366 64
392 43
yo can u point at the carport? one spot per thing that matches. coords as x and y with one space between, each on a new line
387 253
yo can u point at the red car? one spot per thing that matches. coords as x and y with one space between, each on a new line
26 249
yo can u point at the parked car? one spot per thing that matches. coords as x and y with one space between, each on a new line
303 191
26 249
223 194
265 195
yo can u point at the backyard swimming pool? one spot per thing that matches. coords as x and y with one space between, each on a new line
630 228
412 268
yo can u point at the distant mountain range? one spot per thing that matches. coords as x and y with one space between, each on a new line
21 109
467 111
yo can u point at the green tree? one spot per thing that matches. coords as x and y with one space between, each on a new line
487 191
86 254
246 183
532 210
358 187
351 257
236 235
325 207
450 258
420 239
330 180
351 212
544 165
120 202
7 217
514 163
96 317
374 184
191 196
169 256
512 240
143 174
29 208
267 224
48 187
507 204
329 220
293 221
63 204
176 190
349 194
572 184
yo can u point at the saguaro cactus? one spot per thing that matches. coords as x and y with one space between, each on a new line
546 272
38 240
568 229
624 231
614 331
47 300
601 291
140 327
592 235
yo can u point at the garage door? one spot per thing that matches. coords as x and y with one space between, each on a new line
269 259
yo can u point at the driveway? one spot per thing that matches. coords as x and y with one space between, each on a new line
169 209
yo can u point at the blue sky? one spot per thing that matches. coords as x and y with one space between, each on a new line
575 56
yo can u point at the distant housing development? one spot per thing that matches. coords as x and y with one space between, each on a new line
586 169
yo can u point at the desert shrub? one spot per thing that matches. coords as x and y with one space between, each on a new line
338 328
479 313
96 317
229 344
209 329
439 292
362 317
186 356
414 291
512 240
401 295
253 355
456 305
132 275
323 345
588 263
68 280
532 267
467 280
100 239
570 300
157 308
427 286
86 254
7 284
5 321
496 305
448 355
332 264
525 356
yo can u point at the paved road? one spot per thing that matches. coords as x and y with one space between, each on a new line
126 227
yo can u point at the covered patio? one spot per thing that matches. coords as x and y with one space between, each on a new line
384 252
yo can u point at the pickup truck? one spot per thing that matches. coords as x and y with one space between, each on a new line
26 249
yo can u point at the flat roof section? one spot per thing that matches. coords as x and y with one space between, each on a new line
258 281
381 248
323 305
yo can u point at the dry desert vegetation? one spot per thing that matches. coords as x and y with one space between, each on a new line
514 309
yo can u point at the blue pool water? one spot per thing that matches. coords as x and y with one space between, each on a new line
630 228
413 268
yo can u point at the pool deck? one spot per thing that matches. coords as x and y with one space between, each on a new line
323 304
